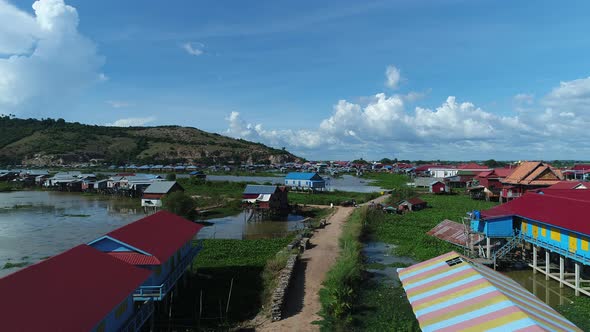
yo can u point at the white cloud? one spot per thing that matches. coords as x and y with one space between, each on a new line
383 124
119 103
393 77
195 50
524 98
46 59
132 122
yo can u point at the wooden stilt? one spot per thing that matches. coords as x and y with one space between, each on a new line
561 270
488 248
534 259
547 260
577 279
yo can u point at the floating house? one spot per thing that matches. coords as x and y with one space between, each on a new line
198 175
265 197
529 175
551 221
305 181
153 194
81 289
488 184
161 243
452 293
412 204
439 187
577 172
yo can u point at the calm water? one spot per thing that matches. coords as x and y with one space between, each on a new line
546 290
237 227
343 183
37 224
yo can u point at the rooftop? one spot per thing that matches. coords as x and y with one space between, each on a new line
253 189
160 187
59 292
452 293
146 234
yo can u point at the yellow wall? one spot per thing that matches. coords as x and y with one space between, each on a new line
584 244
555 234
543 231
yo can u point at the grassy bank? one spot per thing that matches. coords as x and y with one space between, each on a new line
217 264
325 198
340 289
387 180
408 231
213 193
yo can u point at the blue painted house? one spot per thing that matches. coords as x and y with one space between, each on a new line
555 220
305 181
81 289
161 243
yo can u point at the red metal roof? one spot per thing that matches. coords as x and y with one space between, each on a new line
568 185
569 210
160 234
472 166
72 291
415 201
581 167
135 258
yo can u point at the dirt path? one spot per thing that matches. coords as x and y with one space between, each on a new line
307 281
303 303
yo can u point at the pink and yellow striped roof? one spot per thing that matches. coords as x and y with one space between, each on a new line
452 293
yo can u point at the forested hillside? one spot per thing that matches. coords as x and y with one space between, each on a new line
50 142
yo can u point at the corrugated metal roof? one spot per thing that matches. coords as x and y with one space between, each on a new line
301 176
452 293
254 189
570 185
135 258
567 209
453 232
146 234
73 291
159 187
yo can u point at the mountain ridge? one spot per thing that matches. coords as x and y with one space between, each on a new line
51 142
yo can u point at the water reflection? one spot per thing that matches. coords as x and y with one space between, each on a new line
546 290
35 224
237 227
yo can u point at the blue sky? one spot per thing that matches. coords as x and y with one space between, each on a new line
326 79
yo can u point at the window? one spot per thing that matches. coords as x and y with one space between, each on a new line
454 261
121 309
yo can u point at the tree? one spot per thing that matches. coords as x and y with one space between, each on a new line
180 204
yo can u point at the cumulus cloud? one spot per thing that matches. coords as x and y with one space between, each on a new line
393 77
119 103
458 129
44 57
132 122
195 50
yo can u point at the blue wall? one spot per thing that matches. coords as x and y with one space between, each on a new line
108 245
501 227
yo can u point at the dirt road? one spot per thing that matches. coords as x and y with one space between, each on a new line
303 301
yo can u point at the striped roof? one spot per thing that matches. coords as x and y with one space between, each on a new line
452 293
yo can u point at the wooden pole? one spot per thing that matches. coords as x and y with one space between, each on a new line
547 270
488 248
561 270
534 259
577 277
231 286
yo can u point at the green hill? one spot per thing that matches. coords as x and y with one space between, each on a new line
50 142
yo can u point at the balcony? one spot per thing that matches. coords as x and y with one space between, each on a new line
157 293
136 321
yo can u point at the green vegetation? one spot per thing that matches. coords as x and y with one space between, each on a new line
327 197
271 273
219 198
408 231
217 264
387 180
340 289
383 306
10 265
180 204
5 187
577 312
22 138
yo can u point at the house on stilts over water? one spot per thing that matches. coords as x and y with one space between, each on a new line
264 201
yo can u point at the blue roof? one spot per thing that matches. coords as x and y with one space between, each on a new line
302 176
